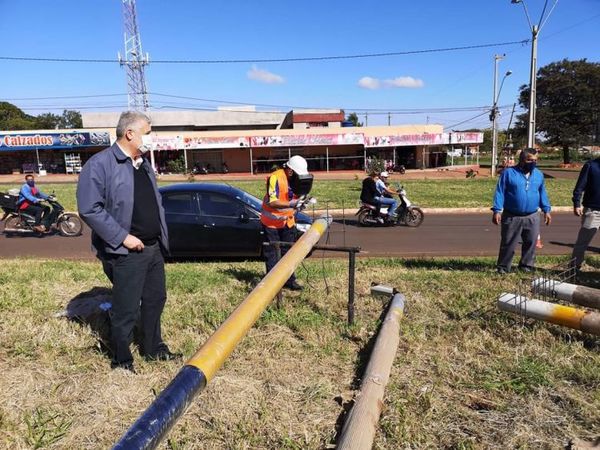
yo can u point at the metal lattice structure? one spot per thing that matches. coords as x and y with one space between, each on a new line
134 60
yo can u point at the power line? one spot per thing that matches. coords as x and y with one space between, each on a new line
63 97
269 60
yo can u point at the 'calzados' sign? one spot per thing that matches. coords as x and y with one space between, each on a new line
40 141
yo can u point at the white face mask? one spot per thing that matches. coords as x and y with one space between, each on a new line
146 144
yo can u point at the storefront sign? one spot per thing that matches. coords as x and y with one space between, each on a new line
199 142
304 140
463 138
167 143
424 139
15 142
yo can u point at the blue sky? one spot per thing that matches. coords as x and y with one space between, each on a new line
253 29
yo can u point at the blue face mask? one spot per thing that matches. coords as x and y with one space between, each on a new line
31 183
529 166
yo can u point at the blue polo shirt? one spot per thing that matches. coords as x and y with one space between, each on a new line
520 195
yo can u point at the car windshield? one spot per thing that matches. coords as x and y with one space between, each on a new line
250 200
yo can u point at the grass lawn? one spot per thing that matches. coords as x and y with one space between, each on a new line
455 193
465 376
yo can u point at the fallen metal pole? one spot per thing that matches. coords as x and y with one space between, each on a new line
578 319
161 415
359 430
572 293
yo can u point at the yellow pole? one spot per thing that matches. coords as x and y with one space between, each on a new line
161 415
221 344
578 319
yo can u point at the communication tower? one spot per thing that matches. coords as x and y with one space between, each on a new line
134 60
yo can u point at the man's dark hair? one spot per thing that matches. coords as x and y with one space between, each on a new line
526 152
28 176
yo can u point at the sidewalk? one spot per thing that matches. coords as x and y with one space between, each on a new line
440 173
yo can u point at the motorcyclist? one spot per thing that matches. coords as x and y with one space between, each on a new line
386 194
30 202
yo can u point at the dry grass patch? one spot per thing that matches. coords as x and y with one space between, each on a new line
466 375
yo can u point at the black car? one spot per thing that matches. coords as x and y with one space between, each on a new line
210 219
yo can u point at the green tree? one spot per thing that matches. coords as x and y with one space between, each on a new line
353 117
568 111
13 118
47 121
70 119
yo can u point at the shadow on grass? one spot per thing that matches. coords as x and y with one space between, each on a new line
250 277
90 308
589 342
449 264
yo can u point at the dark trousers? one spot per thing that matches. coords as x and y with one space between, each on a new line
139 293
284 234
38 211
513 230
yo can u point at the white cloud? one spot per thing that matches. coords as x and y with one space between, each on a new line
398 82
369 83
264 76
404 82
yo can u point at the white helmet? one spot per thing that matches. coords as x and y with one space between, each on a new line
298 164
384 174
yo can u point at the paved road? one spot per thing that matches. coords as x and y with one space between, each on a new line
440 235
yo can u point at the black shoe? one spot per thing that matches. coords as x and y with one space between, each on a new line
126 366
164 355
527 269
293 286
501 271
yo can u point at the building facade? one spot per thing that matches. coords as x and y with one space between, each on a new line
242 141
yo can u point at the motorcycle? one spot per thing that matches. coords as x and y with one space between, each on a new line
16 221
406 213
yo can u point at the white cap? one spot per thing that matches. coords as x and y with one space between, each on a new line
298 164
384 174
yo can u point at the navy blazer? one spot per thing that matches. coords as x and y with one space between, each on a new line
105 200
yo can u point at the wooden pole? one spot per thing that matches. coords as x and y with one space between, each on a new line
361 425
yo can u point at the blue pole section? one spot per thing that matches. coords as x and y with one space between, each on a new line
150 428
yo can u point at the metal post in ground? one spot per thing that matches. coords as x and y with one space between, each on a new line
351 269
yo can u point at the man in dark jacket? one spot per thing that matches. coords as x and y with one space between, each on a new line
118 198
588 184
369 193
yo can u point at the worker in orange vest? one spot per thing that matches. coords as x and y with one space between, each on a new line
278 211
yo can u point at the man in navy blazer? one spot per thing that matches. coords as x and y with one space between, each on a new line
118 199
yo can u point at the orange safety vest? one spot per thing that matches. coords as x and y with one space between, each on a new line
277 218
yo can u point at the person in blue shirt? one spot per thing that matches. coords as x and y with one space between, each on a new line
30 202
520 192
588 184
384 194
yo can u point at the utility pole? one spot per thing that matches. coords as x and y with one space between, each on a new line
134 60
389 119
532 88
494 113
366 119
535 30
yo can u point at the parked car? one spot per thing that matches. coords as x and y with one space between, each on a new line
210 219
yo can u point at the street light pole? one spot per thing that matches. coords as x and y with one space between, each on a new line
532 88
535 30
494 112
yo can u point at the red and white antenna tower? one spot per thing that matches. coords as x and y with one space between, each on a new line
134 60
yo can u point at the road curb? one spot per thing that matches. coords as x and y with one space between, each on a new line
487 210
